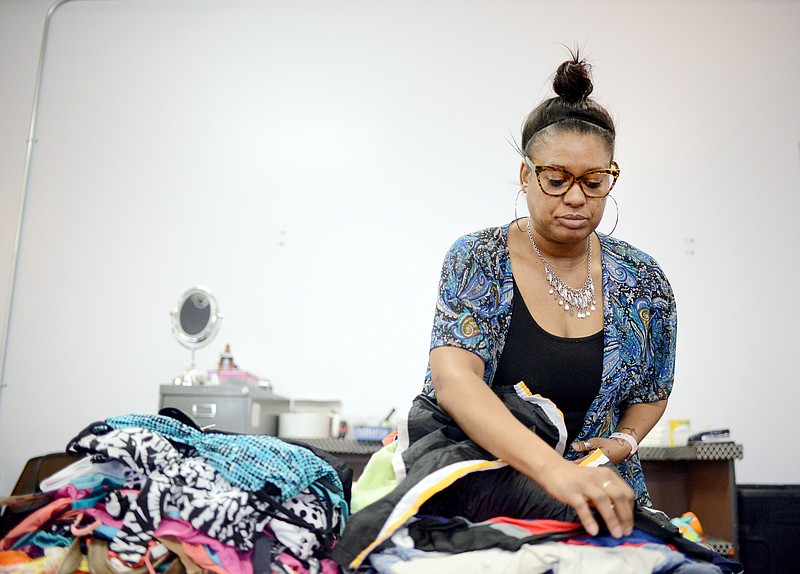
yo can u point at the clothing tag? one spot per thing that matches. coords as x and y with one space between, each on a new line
596 458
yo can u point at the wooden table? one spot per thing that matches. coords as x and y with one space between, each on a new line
356 453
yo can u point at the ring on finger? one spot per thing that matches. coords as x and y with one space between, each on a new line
587 445
605 485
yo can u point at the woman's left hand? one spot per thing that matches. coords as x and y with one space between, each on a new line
616 449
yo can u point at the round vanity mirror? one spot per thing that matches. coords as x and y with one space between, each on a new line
195 321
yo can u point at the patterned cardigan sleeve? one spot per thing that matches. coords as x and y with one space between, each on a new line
473 306
455 322
657 316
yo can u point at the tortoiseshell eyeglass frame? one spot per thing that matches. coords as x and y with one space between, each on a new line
537 169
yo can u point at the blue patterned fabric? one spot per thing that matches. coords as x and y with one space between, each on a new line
473 312
248 462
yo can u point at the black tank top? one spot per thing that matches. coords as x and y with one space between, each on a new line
567 371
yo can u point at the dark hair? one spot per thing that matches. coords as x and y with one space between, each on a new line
572 109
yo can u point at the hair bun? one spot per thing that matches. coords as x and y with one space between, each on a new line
573 81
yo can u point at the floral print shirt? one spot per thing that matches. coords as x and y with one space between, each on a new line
473 312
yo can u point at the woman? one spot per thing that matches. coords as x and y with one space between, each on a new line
583 319
534 315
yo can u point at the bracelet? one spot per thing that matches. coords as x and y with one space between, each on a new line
630 440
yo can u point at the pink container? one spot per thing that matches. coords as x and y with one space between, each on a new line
235 377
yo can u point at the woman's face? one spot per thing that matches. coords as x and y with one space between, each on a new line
572 217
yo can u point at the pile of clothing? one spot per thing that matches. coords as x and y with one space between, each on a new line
155 493
434 476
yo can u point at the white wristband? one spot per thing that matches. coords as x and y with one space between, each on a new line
630 440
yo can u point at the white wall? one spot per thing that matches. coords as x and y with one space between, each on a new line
311 161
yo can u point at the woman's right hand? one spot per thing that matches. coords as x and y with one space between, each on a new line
584 488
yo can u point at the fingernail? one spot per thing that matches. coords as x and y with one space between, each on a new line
616 532
593 529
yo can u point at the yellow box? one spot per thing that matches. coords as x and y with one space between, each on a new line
679 430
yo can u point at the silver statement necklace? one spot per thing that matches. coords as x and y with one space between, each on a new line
580 300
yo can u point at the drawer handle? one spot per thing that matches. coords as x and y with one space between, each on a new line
204 410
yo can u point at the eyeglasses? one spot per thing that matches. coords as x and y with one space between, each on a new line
556 182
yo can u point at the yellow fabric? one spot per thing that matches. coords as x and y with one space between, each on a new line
377 480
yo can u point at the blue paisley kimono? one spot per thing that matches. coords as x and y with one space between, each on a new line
473 312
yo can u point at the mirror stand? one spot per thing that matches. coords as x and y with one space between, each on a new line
191 376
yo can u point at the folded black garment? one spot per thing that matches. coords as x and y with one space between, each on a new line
444 471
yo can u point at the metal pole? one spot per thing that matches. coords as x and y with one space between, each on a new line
24 193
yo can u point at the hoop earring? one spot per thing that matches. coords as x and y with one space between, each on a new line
516 201
616 218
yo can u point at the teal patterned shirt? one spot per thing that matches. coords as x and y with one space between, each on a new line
473 312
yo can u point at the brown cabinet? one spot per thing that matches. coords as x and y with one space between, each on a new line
698 478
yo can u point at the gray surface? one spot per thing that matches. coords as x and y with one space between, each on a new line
704 451
234 408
